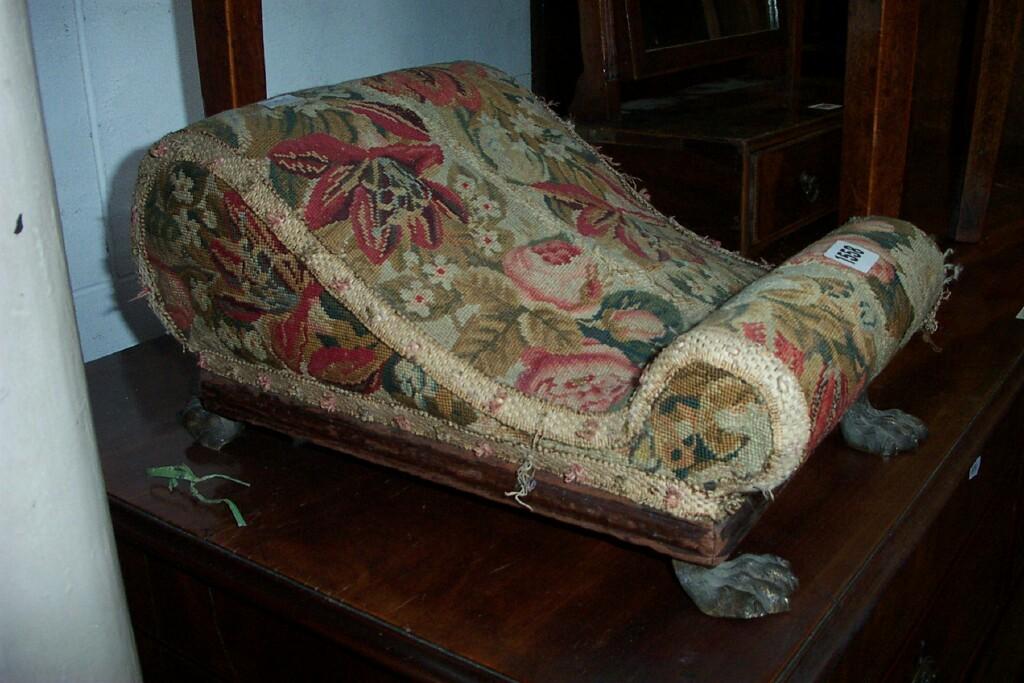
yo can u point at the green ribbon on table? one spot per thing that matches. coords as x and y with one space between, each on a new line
176 473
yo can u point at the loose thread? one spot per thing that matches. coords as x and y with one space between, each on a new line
176 473
541 432
525 481
950 273
926 337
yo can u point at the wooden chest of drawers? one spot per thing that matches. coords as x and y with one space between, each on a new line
348 571
746 166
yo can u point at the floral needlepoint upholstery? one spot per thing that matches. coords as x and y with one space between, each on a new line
434 250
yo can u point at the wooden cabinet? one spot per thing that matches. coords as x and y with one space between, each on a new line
742 162
791 184
704 104
348 571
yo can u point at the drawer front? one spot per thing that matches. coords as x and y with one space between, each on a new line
937 607
698 184
793 184
963 609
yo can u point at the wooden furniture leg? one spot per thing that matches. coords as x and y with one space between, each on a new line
229 47
880 51
991 80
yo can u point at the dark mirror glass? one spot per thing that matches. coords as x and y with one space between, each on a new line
668 23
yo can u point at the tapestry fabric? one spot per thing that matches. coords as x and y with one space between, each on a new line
434 250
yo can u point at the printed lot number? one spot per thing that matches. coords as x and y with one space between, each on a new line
852 255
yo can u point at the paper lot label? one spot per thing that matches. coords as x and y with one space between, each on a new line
852 255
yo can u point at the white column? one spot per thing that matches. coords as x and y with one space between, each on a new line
62 606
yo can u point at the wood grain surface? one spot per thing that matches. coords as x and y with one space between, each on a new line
436 584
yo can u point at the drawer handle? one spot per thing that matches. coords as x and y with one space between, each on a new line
810 186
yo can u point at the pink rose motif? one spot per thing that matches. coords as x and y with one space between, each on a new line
590 382
574 474
557 273
497 401
634 325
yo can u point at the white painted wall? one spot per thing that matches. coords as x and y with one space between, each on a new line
313 42
62 607
115 75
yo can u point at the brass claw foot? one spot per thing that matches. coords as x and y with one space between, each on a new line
208 429
746 587
882 432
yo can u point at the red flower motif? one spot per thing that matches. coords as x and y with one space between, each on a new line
379 189
597 216
339 365
394 119
830 400
290 338
755 332
789 353
175 292
243 221
439 86
237 308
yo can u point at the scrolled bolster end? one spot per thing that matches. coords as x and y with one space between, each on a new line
728 417
762 380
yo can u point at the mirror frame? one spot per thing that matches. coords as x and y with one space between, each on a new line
644 63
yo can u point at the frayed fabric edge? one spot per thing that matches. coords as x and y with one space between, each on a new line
951 273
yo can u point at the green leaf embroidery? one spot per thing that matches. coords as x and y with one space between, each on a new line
491 290
491 342
552 330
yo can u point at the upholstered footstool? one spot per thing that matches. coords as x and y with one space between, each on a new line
428 269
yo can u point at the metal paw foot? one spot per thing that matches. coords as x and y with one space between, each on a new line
208 429
746 587
882 432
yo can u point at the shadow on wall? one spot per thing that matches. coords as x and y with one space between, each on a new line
188 63
120 262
